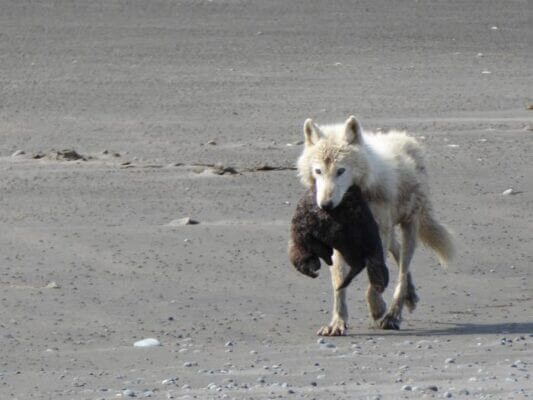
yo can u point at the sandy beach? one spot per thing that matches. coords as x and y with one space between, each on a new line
194 109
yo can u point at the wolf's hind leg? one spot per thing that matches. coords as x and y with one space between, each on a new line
337 326
394 247
376 304
411 297
394 315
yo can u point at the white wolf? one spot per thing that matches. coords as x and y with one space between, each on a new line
389 168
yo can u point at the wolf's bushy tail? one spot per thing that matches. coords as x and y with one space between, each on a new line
436 236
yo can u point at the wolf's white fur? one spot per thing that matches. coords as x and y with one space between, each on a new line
389 168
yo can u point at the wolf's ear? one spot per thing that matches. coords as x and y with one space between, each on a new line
312 132
352 131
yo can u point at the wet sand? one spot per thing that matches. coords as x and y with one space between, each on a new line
176 108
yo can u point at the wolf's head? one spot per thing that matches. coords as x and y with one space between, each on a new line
333 159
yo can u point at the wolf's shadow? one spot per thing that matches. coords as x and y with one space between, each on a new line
455 329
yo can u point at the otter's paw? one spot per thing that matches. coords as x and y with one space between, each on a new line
390 322
336 328
309 267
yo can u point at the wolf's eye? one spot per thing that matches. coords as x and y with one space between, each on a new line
340 171
318 171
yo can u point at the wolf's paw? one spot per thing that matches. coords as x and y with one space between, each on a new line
390 322
410 300
337 328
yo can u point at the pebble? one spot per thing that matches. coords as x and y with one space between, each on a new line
128 393
229 344
508 192
18 153
53 285
447 395
148 342
168 381
433 388
407 388
464 392
450 361
187 364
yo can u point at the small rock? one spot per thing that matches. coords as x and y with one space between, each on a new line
182 222
447 395
464 392
66 155
220 169
508 192
212 142
53 285
407 388
433 388
168 381
18 153
149 342
485 72
128 393
228 344
450 361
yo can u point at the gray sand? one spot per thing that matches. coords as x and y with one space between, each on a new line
90 264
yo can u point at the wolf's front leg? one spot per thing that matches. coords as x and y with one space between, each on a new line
337 326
